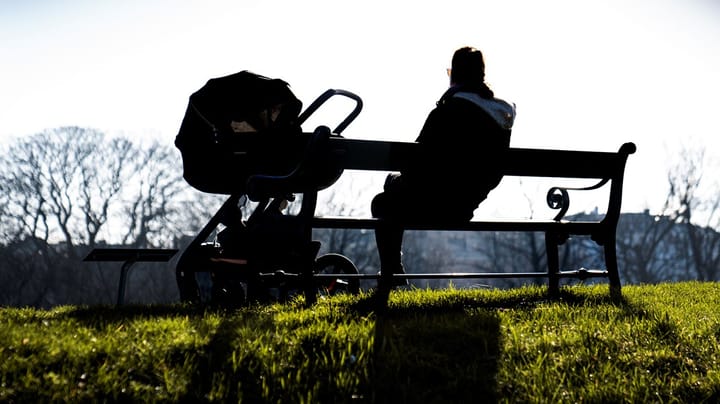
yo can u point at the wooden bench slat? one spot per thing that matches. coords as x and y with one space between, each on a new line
356 154
574 227
131 254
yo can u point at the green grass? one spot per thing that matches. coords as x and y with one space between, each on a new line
658 344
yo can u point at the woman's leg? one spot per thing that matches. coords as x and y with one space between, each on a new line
389 238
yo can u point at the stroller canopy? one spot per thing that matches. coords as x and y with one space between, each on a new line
236 126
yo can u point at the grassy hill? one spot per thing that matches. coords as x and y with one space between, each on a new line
658 344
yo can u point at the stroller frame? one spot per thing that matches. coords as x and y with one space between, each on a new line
239 280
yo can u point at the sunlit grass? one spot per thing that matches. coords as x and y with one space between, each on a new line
658 344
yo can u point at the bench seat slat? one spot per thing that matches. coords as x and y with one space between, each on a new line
574 227
131 254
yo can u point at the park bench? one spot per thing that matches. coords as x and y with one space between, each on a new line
220 161
128 257
606 167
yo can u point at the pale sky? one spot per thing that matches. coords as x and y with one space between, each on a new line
584 75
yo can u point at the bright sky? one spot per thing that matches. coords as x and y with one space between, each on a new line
584 75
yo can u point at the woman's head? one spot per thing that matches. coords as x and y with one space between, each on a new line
468 67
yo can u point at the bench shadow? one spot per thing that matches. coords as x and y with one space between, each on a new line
454 362
210 366
449 352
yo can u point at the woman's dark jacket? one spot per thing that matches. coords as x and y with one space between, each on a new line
462 144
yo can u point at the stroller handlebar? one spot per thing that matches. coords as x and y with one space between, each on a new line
326 96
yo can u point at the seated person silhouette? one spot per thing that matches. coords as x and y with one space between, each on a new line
459 148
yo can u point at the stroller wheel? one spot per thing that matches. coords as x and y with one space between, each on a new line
337 264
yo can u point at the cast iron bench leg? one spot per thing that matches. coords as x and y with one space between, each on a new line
612 267
124 271
553 263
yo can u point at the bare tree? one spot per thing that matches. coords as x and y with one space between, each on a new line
679 244
153 202
69 189
647 247
59 185
696 211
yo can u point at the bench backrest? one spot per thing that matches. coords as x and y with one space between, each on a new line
357 154
391 156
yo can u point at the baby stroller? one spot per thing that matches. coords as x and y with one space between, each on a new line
241 137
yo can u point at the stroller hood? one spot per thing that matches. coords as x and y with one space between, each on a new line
236 126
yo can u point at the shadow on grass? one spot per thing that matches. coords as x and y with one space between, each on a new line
212 366
528 299
436 357
448 351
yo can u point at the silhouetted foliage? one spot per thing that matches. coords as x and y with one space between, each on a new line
69 189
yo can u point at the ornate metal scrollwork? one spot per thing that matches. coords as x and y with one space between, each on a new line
558 197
